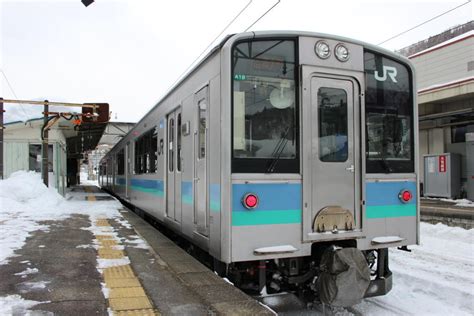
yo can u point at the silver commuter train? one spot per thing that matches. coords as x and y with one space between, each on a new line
289 157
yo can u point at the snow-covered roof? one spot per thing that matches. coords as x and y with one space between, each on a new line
458 38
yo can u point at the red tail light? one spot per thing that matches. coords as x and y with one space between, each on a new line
250 201
405 196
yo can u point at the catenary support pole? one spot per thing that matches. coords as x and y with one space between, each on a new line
44 154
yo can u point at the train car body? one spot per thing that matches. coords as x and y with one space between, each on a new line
276 147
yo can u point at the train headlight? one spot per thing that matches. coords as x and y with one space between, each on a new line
405 196
322 50
250 201
341 52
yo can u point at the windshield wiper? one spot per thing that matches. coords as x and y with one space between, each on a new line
278 150
385 165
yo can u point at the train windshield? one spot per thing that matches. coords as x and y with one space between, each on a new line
389 116
264 107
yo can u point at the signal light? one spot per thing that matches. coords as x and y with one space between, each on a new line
250 201
405 196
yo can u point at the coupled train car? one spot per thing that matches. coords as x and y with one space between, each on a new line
289 157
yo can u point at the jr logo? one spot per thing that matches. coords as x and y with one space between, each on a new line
387 70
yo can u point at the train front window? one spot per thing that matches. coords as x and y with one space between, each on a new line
389 116
264 107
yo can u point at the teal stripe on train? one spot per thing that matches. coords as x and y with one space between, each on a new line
382 199
187 192
215 197
278 204
154 187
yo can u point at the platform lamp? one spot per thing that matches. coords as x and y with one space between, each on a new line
87 2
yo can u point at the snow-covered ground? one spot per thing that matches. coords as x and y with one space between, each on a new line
84 179
457 202
24 202
436 278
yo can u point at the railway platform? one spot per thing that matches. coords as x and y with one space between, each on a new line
89 265
446 212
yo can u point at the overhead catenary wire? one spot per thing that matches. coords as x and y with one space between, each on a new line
13 91
423 23
271 8
212 42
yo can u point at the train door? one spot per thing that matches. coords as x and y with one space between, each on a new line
174 166
128 171
332 173
201 211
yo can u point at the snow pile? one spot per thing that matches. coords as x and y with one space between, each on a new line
464 203
25 189
458 202
25 201
436 278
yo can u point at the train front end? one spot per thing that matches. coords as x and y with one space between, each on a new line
323 173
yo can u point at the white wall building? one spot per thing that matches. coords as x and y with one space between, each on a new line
444 66
22 151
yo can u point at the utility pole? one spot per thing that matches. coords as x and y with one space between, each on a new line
1 138
44 136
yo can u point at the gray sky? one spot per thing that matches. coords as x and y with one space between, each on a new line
129 53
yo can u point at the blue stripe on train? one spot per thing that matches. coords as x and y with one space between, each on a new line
382 200
286 196
386 193
278 204
187 192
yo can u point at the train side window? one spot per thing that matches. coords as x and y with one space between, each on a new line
170 145
178 144
136 150
153 150
202 107
332 110
121 162
146 147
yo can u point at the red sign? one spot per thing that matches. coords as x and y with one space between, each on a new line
442 163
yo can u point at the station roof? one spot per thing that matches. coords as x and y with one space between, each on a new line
79 139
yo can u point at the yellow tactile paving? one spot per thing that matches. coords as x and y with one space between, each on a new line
139 312
129 303
104 237
122 282
136 291
108 253
126 296
118 272
106 243
102 222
